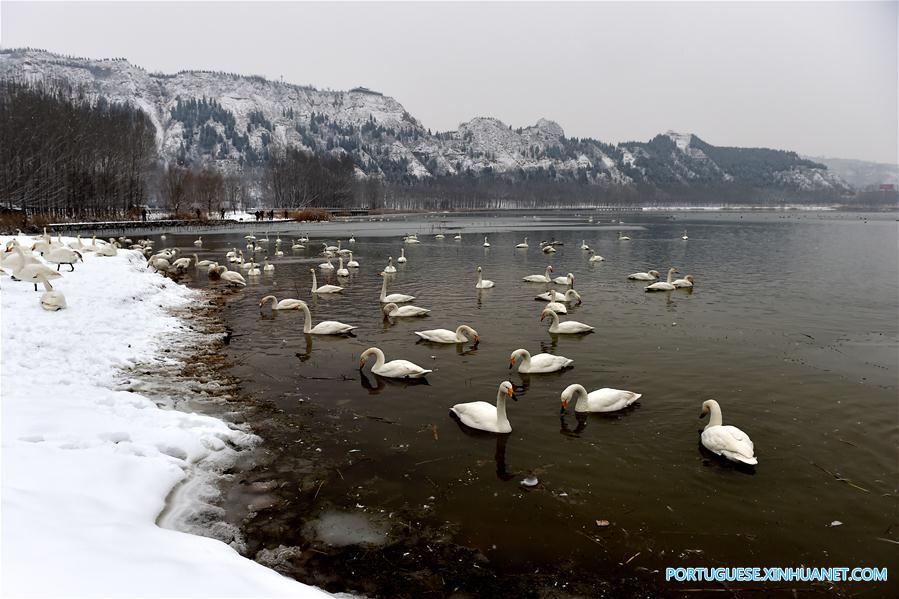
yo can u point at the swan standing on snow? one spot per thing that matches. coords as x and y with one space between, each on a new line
664 285
341 271
36 273
390 268
402 258
352 263
53 300
601 400
541 363
523 245
544 278
727 441
560 307
394 311
323 288
686 282
393 298
566 280
486 243
395 369
564 328
484 416
482 282
644 276
326 327
447 336
284 304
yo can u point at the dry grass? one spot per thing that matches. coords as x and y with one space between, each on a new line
313 214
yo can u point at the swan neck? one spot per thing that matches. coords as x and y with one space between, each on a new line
379 358
384 288
501 417
581 399
715 416
307 318
314 282
525 360
670 275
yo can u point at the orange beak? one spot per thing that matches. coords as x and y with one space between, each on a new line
542 315
361 364
511 362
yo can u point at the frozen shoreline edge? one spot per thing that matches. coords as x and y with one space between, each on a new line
89 461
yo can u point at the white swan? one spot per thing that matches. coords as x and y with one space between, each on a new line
548 249
393 298
326 265
601 400
523 245
447 336
652 275
181 264
684 236
341 271
269 267
352 263
53 300
551 295
484 416
232 278
63 255
560 307
623 237
36 273
198 263
284 304
594 257
486 243
663 285
198 242
727 441
297 246
584 245
482 282
439 236
564 328
566 280
395 311
254 271
538 364
685 282
402 258
458 237
326 327
395 369
390 268
544 278
109 250
323 288
352 239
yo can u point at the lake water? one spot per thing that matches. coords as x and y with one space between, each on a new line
791 326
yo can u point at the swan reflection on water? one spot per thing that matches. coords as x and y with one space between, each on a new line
380 383
580 418
499 454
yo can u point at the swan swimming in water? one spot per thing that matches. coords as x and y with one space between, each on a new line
484 416
664 285
447 336
323 288
644 276
560 307
544 278
686 282
284 304
352 263
402 258
623 237
727 441
486 243
601 400
566 280
523 245
393 298
568 327
397 369
390 268
394 311
594 257
539 364
341 271
326 327
482 282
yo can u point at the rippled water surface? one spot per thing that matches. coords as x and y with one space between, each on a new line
792 327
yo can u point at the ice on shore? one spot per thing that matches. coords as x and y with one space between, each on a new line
87 466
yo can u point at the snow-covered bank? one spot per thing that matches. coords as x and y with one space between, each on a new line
87 467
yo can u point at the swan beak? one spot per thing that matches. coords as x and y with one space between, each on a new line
542 316
702 415
511 363
477 338
361 364
562 409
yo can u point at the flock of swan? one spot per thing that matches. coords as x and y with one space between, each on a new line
726 441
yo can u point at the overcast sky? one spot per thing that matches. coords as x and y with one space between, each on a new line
818 78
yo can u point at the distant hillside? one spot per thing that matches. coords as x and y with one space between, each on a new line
860 174
235 122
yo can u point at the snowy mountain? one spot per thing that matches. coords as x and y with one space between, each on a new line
234 122
861 174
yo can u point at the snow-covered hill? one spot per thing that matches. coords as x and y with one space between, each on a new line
234 121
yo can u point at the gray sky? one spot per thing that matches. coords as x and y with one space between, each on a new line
818 78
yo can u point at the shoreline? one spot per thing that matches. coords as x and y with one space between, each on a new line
98 435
